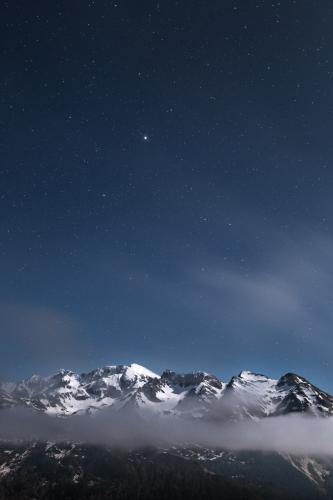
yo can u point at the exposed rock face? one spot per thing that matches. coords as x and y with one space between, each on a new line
199 393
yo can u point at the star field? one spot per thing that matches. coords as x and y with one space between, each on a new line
166 185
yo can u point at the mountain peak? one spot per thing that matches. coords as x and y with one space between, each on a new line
251 376
254 395
291 379
141 371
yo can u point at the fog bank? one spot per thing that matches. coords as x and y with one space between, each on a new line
285 434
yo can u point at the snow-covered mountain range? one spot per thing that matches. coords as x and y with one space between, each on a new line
89 471
199 393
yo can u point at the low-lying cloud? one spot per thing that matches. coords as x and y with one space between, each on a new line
298 435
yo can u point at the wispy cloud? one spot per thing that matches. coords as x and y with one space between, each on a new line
44 334
292 290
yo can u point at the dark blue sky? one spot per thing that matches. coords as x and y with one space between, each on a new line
166 186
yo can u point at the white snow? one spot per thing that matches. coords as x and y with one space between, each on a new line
67 393
4 470
257 391
312 468
135 370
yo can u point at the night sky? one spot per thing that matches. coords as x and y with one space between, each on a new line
166 186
